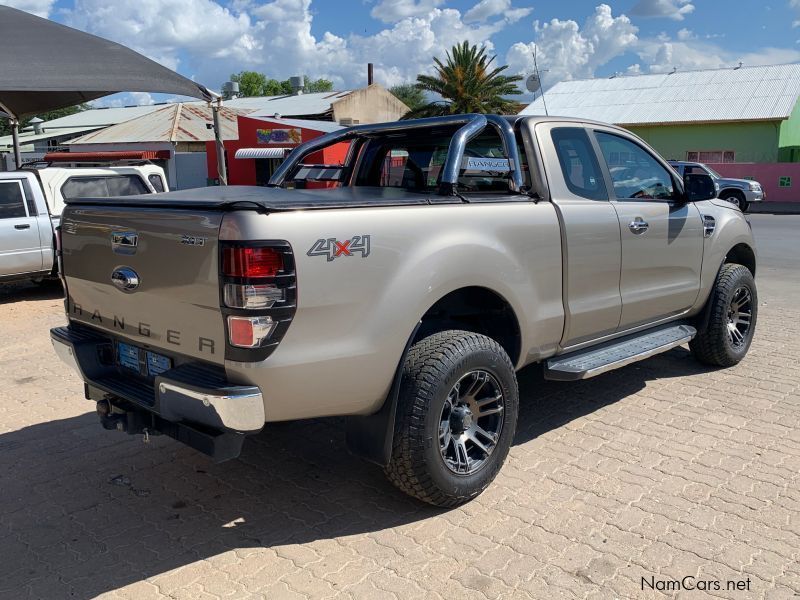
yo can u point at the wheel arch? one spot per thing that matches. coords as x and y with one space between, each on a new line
741 254
731 191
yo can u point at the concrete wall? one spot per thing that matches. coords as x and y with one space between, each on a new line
372 104
768 175
753 142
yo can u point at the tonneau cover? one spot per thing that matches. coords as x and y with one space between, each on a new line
279 199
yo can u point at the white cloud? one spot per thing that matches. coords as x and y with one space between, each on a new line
40 8
391 11
569 51
486 9
670 9
686 34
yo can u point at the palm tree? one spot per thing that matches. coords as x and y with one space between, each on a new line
467 84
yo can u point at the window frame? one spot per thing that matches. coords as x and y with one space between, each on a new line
677 185
161 182
27 214
602 172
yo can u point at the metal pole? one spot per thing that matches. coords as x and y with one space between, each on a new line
15 138
222 171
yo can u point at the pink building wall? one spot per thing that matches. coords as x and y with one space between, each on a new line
768 175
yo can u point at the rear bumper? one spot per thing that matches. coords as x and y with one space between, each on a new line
190 393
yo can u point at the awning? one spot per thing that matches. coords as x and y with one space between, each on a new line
262 152
107 156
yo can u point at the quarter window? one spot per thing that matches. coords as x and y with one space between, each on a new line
635 173
12 200
579 163
156 182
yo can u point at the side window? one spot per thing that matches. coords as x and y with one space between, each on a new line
103 186
579 163
635 173
12 200
156 182
692 170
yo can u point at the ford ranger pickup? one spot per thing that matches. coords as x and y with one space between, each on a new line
401 289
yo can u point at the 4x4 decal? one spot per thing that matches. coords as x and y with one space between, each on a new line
332 248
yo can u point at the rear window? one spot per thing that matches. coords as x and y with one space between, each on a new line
102 186
12 201
415 163
579 163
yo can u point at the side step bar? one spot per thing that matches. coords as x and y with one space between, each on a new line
617 353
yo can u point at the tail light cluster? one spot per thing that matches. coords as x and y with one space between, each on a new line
259 296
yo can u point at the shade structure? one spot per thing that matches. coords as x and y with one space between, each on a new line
46 65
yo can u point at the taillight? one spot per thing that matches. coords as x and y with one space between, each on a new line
259 295
240 261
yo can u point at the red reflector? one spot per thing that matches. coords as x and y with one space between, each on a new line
251 262
241 332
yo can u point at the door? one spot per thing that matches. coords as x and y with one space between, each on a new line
662 236
20 248
590 239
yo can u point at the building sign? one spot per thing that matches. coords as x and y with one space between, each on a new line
785 181
279 136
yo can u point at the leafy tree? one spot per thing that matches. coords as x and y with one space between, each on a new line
409 94
5 125
318 85
252 83
467 83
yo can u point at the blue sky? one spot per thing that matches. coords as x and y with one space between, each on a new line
209 39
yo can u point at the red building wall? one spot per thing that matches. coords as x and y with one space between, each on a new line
243 171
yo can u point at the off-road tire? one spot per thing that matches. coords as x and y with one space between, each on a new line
713 346
432 367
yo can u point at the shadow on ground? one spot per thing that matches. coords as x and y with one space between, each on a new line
19 291
85 511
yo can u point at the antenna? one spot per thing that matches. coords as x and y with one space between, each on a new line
536 80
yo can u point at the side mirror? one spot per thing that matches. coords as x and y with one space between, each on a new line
699 186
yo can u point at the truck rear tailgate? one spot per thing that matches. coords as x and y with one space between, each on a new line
146 275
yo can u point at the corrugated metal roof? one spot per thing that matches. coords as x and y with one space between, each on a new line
326 126
289 106
182 122
745 94
102 117
26 138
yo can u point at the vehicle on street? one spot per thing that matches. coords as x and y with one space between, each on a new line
741 192
31 201
451 253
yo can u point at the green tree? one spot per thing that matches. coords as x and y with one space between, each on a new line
467 83
251 83
318 85
5 125
409 94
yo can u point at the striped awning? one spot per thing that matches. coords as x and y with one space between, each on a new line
262 152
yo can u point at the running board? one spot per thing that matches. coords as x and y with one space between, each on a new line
618 353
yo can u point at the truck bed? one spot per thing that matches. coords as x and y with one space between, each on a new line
279 199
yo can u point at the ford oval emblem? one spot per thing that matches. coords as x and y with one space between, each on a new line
125 279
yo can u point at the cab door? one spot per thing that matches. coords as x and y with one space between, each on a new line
20 247
661 235
590 239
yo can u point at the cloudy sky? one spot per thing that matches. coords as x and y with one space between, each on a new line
208 40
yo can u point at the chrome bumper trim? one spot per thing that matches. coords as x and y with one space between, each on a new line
240 412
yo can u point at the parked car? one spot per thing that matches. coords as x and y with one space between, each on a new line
408 308
31 201
742 192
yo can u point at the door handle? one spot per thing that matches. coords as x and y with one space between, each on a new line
22 226
638 225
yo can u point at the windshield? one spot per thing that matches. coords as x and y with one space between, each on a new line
712 172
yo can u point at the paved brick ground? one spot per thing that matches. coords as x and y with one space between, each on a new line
662 469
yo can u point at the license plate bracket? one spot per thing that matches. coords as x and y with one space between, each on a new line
143 362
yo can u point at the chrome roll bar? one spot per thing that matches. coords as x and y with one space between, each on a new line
473 125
